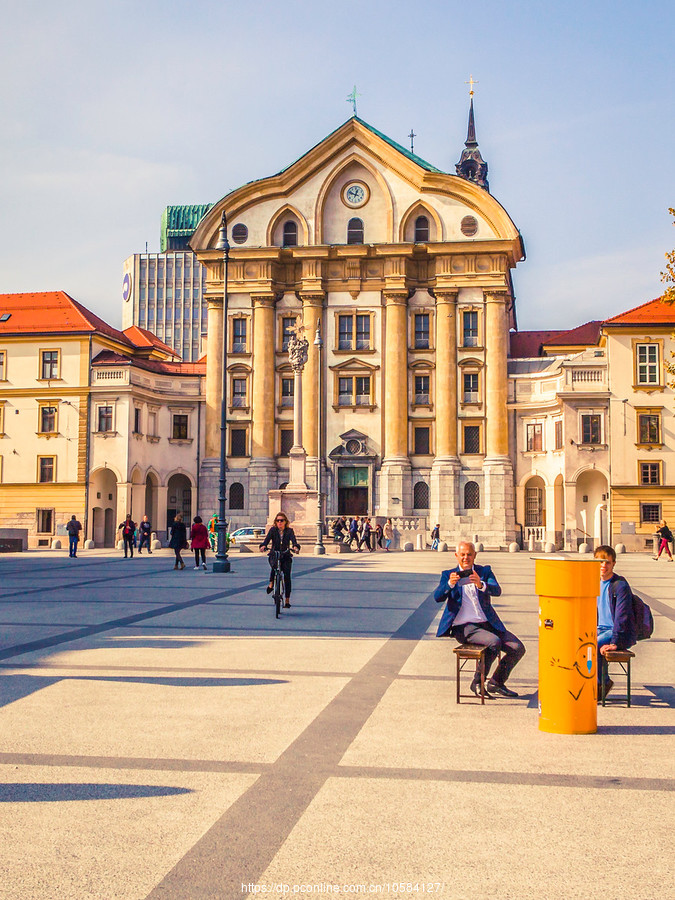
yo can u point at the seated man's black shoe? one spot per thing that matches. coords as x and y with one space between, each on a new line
269 588
475 688
500 689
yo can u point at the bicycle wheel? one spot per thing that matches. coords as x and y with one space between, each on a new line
278 582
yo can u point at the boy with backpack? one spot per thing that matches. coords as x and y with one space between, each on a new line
623 618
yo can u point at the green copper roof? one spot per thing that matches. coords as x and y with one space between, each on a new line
181 221
401 149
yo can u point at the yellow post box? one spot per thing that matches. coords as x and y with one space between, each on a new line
568 695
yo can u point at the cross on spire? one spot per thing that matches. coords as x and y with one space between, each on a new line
471 83
352 99
412 137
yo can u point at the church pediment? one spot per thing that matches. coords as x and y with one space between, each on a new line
353 446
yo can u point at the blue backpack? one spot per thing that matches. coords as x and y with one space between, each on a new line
644 620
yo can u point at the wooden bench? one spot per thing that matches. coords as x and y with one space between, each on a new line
622 658
464 654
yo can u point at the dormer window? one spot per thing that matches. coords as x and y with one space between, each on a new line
290 238
421 230
355 231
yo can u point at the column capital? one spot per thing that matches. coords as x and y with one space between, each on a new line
266 299
311 297
444 295
395 298
497 296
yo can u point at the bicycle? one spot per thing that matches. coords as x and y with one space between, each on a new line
277 582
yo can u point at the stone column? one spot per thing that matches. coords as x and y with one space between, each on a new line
298 351
214 369
444 506
497 465
312 307
395 473
262 466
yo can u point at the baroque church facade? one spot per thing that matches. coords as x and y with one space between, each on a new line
406 272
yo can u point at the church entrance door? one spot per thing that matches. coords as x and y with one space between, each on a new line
353 490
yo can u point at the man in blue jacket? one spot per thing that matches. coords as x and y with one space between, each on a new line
470 618
616 620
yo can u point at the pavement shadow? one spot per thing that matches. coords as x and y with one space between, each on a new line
58 793
17 687
636 729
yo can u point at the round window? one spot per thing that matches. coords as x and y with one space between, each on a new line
240 233
469 226
353 446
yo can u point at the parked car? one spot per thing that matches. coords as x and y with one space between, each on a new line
246 535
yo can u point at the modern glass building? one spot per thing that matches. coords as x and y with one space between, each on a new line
163 292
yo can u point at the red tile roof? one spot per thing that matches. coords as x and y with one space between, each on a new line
653 312
51 312
140 337
585 335
526 344
110 358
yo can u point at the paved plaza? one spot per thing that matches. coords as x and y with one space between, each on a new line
162 736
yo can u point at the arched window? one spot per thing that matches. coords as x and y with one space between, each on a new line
355 231
471 495
283 485
421 495
421 230
236 495
290 234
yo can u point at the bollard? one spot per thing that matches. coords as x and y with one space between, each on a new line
420 539
568 590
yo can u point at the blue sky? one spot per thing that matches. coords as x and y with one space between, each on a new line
112 110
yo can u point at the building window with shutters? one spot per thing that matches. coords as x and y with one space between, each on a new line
49 365
45 521
421 440
285 441
471 495
46 469
287 392
421 339
534 507
236 496
471 439
421 230
650 472
591 427
238 393
353 390
179 427
355 231
535 437
105 421
239 335
47 419
290 238
559 434
354 331
238 442
287 331
470 328
470 387
648 365
649 427
421 495
421 395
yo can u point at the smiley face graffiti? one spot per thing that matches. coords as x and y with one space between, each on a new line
584 664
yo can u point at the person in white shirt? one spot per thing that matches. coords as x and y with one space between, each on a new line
470 618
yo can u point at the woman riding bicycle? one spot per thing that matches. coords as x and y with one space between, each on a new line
282 538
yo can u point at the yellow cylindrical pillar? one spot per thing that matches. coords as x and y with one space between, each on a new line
214 369
262 429
312 305
446 375
396 376
497 382
568 698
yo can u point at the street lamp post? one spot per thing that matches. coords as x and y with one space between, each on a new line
319 549
221 562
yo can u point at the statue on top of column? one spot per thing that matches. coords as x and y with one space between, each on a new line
298 349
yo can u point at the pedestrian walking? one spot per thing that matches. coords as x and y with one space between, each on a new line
213 525
145 530
435 537
665 536
178 540
379 534
73 528
338 530
388 534
128 528
200 541
353 532
366 532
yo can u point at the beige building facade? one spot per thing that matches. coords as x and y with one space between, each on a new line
408 271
